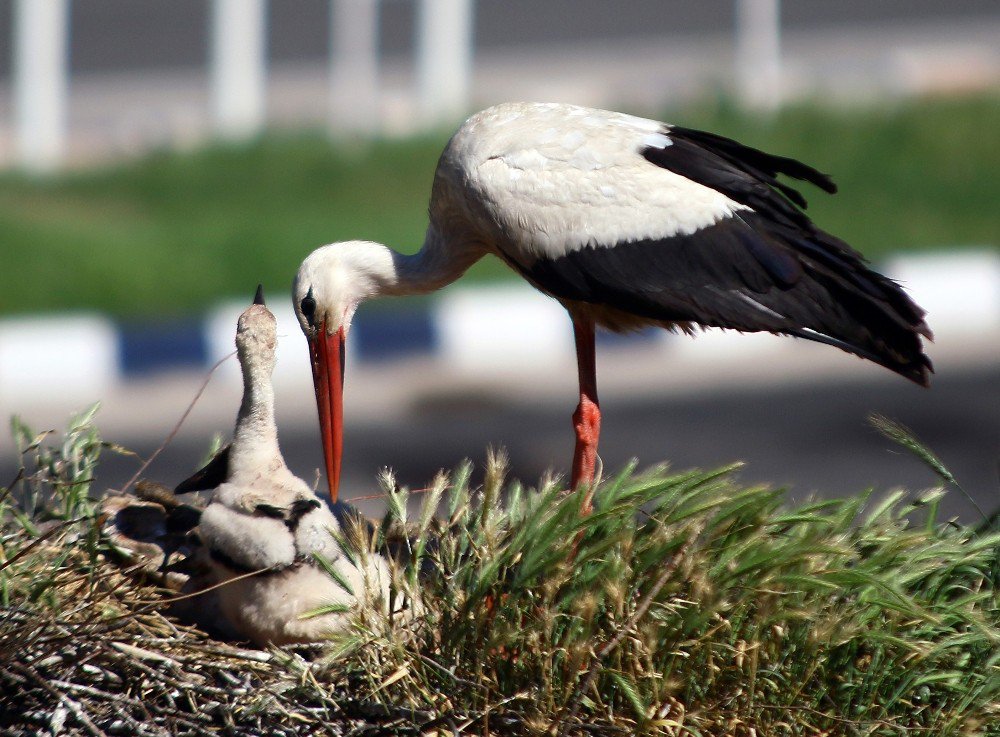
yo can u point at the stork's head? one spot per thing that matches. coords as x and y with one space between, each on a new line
334 279
329 286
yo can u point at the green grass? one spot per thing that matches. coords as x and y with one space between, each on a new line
685 605
175 232
690 605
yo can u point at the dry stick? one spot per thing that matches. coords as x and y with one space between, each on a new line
163 678
615 641
95 692
450 674
506 720
234 653
74 707
38 541
174 599
10 487
386 496
180 422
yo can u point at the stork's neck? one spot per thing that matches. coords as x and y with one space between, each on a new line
255 439
438 263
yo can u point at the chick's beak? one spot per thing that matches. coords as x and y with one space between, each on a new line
327 353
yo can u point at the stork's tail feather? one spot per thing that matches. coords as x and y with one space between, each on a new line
911 363
841 301
875 318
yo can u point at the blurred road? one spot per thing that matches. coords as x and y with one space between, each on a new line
808 433
813 438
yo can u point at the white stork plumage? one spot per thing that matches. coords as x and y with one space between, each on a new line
627 222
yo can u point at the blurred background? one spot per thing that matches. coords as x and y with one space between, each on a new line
161 157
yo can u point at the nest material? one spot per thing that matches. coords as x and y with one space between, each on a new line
140 529
156 534
111 658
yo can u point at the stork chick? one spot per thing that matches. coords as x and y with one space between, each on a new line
266 522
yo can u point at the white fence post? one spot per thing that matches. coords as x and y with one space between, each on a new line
239 66
444 59
41 61
354 68
758 53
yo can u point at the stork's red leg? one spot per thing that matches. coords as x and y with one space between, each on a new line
587 418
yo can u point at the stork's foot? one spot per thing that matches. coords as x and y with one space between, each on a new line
587 422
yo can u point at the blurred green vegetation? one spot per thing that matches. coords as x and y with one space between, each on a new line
175 232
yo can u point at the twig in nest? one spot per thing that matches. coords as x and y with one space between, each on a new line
39 540
148 605
73 706
177 426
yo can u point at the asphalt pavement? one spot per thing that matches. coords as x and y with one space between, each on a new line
808 432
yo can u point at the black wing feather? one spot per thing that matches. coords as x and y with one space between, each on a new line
744 174
748 157
768 268
212 475
713 278
291 515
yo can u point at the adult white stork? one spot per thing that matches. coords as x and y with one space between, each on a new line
627 222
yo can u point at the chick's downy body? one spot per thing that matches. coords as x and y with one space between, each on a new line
265 528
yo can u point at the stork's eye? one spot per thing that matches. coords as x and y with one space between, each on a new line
308 307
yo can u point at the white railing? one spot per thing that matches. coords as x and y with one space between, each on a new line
354 66
238 66
238 73
758 53
41 55
443 67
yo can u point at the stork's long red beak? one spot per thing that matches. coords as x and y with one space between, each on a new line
327 352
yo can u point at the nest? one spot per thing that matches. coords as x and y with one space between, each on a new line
104 657
103 629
